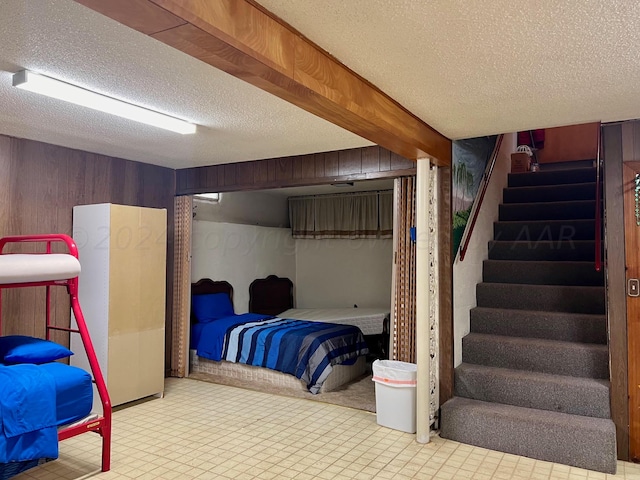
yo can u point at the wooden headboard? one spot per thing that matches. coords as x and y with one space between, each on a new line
206 285
270 296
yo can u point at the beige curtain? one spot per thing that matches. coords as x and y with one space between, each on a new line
183 215
350 215
302 217
404 325
347 216
385 211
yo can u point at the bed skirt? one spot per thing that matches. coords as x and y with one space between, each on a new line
340 374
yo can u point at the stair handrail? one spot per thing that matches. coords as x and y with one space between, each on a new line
475 209
598 215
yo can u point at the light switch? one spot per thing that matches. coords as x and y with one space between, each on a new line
633 287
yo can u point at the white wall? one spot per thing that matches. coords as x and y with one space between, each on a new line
241 253
340 273
249 208
468 273
233 240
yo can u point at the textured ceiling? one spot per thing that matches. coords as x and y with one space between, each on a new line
466 68
68 41
471 68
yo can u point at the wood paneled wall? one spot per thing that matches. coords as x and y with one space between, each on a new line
616 285
631 168
39 186
41 183
314 169
571 143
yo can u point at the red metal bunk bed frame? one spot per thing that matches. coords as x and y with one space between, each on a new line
101 425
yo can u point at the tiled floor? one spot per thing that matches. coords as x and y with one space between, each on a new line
205 431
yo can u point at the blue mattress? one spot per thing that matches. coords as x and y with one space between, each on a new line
74 391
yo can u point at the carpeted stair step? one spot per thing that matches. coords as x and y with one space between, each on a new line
567 165
535 366
558 298
559 177
545 230
537 355
541 272
572 210
550 193
575 440
567 327
556 393
571 251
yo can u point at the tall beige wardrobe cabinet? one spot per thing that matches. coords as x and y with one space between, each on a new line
123 252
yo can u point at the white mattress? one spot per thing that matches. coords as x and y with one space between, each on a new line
26 268
369 320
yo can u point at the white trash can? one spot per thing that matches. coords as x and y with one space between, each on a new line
396 394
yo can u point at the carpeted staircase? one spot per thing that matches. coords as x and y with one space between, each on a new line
534 377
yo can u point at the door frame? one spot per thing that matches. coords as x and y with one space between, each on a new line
630 170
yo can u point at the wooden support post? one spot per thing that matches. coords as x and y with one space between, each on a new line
423 359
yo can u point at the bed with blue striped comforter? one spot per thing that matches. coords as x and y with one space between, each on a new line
307 350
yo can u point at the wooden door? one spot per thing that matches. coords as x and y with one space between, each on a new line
631 189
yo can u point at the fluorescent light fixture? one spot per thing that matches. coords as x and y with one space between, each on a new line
51 87
208 197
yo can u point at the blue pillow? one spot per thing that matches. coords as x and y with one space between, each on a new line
211 306
21 349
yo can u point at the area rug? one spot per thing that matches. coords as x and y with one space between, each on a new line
359 394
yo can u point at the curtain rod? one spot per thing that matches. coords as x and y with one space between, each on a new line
324 195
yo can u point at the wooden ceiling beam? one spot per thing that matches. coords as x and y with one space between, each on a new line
244 40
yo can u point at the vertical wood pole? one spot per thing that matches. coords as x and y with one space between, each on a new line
423 400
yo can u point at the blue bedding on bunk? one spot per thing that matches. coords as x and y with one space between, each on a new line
27 414
304 349
74 391
34 401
